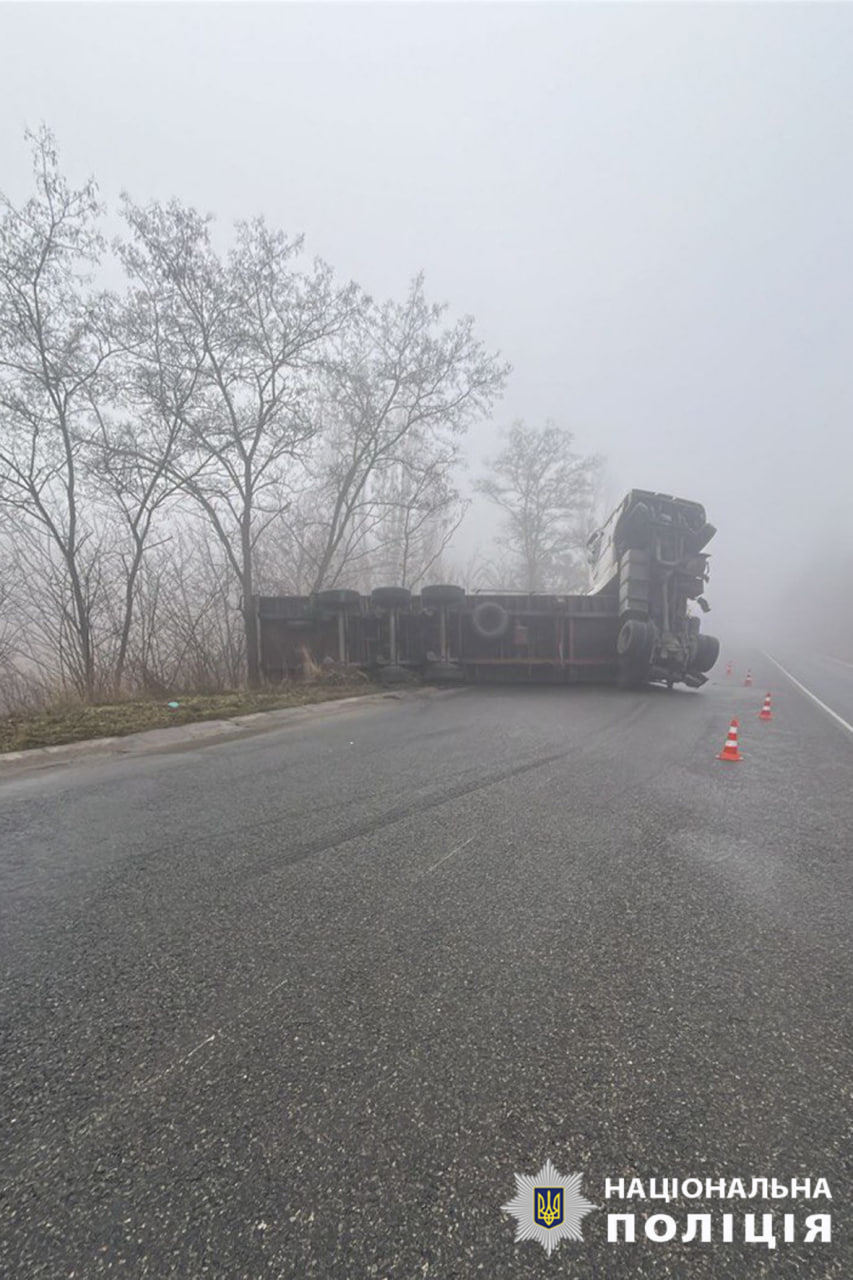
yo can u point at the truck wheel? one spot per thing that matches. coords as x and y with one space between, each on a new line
490 620
391 597
441 593
707 653
636 640
338 598
635 644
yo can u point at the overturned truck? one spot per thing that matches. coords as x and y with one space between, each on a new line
633 625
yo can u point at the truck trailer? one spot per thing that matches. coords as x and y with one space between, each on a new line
635 623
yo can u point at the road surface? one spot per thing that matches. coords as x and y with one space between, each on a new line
302 1005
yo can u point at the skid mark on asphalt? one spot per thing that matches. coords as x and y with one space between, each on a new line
435 800
31 1152
98 1117
417 803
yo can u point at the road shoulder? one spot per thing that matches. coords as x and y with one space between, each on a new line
196 733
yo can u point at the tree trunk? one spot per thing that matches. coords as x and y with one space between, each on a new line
127 620
250 624
83 626
250 617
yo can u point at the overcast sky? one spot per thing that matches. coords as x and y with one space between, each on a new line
647 208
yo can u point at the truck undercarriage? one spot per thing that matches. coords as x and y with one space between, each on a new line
633 625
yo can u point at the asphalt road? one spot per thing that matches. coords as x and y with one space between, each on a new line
302 1005
827 678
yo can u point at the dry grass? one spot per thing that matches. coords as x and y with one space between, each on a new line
75 722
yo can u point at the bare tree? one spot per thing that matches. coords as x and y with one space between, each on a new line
131 457
11 623
543 490
55 343
237 418
420 511
187 632
402 391
593 514
248 331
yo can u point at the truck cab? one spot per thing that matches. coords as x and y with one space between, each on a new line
650 556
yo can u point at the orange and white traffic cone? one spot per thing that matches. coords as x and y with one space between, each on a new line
747 684
730 750
765 713
729 669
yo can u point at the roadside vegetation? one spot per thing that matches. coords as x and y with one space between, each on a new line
72 720
192 416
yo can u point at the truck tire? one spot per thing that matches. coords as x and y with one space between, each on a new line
338 598
490 620
635 645
441 593
391 597
707 653
635 640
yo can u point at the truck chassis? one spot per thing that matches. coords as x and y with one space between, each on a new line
633 625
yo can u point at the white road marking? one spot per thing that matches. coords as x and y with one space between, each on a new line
448 855
829 711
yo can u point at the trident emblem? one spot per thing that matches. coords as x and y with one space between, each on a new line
549 1206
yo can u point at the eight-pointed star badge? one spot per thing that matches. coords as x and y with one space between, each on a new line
548 1207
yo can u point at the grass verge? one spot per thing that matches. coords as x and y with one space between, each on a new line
60 724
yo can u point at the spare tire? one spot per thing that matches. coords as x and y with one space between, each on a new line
338 598
490 620
636 640
391 597
635 645
707 653
441 593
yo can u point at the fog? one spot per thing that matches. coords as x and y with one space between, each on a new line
646 208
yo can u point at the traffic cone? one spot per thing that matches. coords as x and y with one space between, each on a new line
729 669
747 684
730 751
765 713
